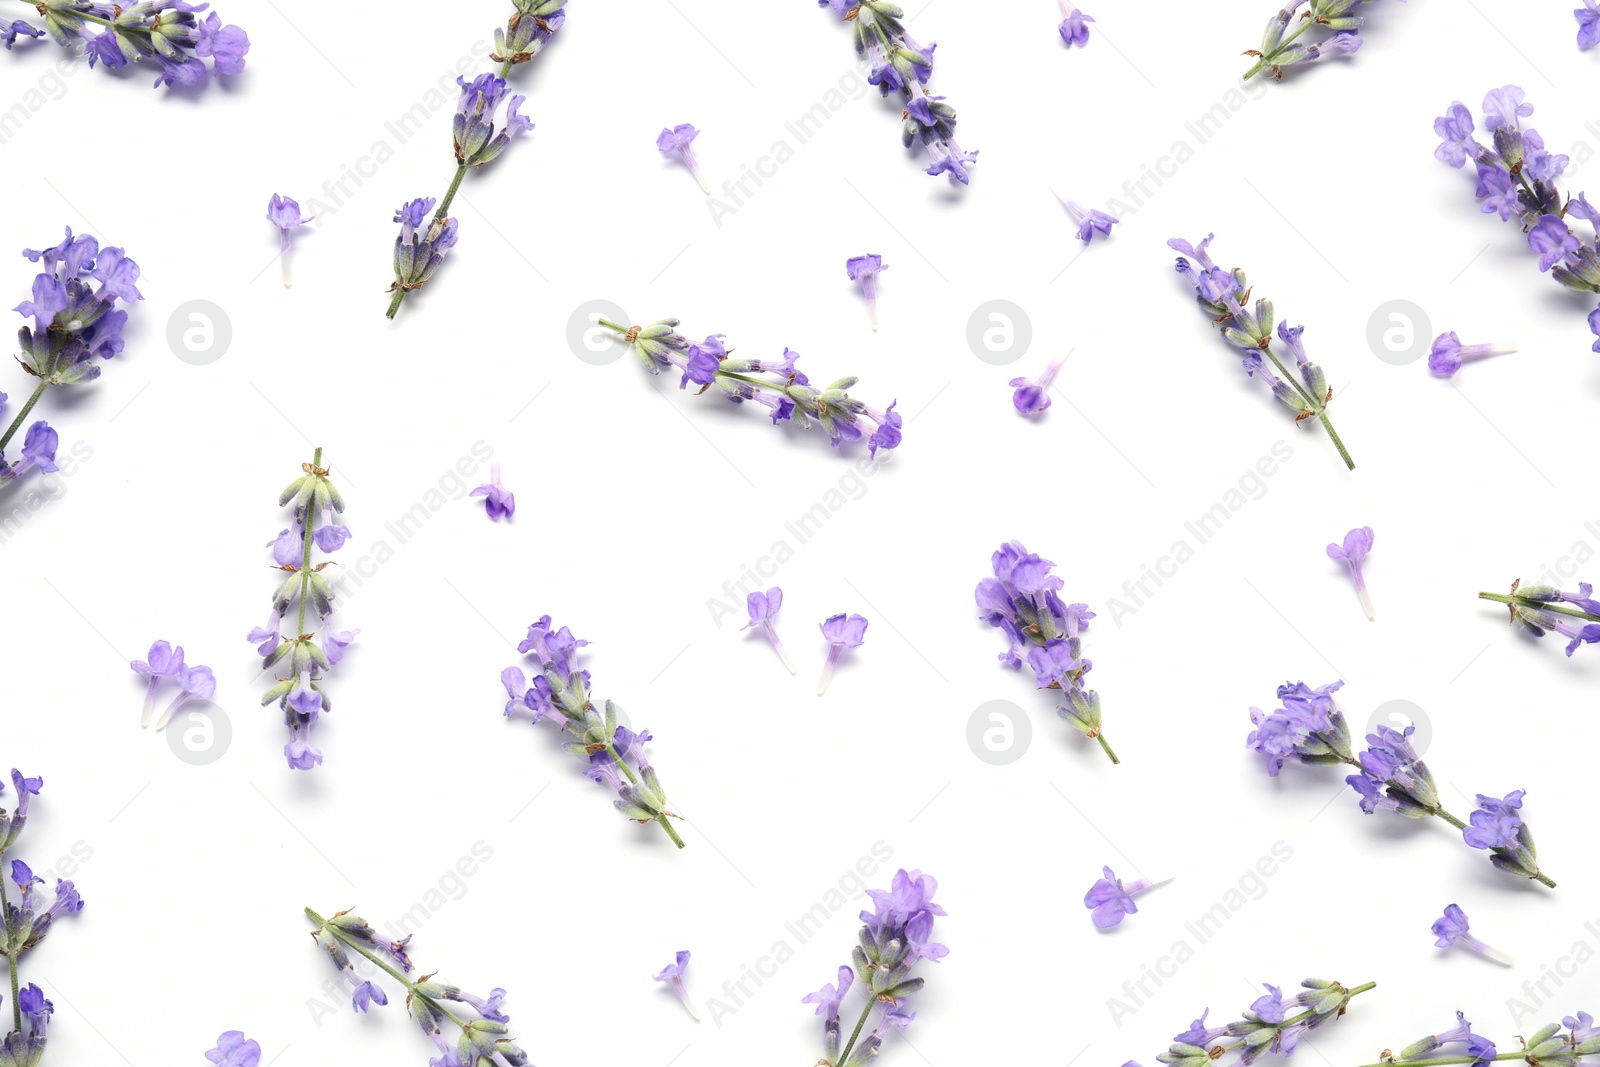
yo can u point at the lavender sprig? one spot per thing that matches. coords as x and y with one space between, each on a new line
1279 48
1538 610
314 503
484 1040
1310 728
900 65
777 385
559 690
75 318
1548 1046
24 925
480 132
1271 1024
1223 294
895 937
1023 600
170 34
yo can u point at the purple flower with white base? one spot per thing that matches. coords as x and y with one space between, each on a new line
1552 240
1274 1022
163 661
1357 543
499 503
235 1050
841 633
1448 353
1451 928
865 270
829 997
1480 1050
284 213
763 608
1074 26
198 684
678 141
1588 17
1032 397
672 974
1090 221
1110 901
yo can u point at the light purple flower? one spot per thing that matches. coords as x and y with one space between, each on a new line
1074 27
1588 18
162 661
1502 107
1552 240
235 1050
9 34
1448 353
865 270
1110 901
1357 543
763 609
829 997
498 502
284 213
1090 221
672 974
198 684
1030 398
1452 928
1269 1008
1455 129
1496 823
677 141
841 633
476 142
1594 327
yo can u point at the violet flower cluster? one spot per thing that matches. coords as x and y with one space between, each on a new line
75 318
1280 45
558 690
776 384
488 117
1390 774
1223 294
315 506
1023 600
24 922
1575 1042
1272 1023
170 36
1516 180
1544 609
901 66
895 938
483 1034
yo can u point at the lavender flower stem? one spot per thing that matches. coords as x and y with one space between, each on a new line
1498 598
411 987
844 1057
11 431
1517 1055
305 559
1317 404
1349 463
1101 737
666 823
1267 60
11 960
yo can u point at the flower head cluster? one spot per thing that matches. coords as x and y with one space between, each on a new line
1280 45
895 937
301 693
1308 728
1272 1024
1223 294
478 140
776 384
1044 632
558 689
172 36
24 922
165 664
1543 609
75 318
1516 180
484 1041
901 66
420 247
1573 1043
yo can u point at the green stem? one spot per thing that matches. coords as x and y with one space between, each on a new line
1502 598
305 558
666 823
16 423
1317 404
1270 58
397 975
1447 1060
872 1001
1327 424
11 958
1101 737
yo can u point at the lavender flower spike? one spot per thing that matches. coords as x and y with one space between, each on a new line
498 502
1448 353
1111 901
1541 609
841 633
1576 1046
865 269
763 608
677 141
1030 398
1074 27
1272 1023
672 974
171 37
284 213
235 1050
1279 47
1357 543
1451 928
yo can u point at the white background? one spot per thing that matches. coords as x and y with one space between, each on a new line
638 502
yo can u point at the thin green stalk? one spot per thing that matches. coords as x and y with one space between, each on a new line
1317 405
16 423
666 823
1502 598
11 958
1101 737
872 1002
305 558
1447 1060
1270 59
397 975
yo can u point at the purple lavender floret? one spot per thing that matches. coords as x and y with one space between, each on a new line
1588 17
172 37
1281 47
1538 610
1274 1023
1452 928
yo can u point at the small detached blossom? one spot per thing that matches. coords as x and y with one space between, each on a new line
1032 397
1390 774
1023 601
235 1050
559 690
672 974
841 633
1357 543
775 384
284 213
865 270
678 141
481 1041
171 37
1542 609
1448 353
498 502
1574 1042
1074 26
902 67
1110 901
1273 1024
1588 17
1090 221
162 662
1280 46
763 608
896 936
1222 294
1451 929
